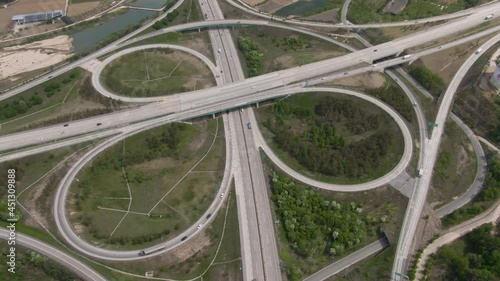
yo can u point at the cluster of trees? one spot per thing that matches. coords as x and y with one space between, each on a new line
252 54
479 261
430 80
169 138
166 20
19 106
126 240
394 97
313 225
320 149
169 4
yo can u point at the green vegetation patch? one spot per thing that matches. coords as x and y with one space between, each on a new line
308 8
252 54
395 97
156 72
455 167
156 174
368 11
489 193
315 226
32 266
475 257
431 81
280 49
344 138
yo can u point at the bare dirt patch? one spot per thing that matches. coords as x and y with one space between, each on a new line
28 7
79 8
37 55
368 80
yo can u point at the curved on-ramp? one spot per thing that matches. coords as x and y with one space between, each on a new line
400 167
96 81
60 257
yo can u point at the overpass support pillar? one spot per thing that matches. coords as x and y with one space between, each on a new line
213 115
199 30
257 105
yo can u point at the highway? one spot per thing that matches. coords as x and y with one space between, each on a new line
302 72
250 180
419 195
343 14
243 6
76 266
489 216
349 260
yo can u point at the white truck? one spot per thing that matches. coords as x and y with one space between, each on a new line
420 172
478 51
406 57
488 17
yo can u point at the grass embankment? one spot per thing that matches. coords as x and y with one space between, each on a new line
455 167
63 98
281 49
330 139
202 254
155 176
365 11
156 72
486 197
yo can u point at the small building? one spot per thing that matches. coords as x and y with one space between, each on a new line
36 17
495 78
396 6
67 20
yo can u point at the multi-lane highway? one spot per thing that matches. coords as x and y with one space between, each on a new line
79 268
239 92
419 195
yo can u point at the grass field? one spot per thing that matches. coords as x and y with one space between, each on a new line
455 167
283 49
366 11
205 254
377 268
309 101
169 190
156 72
307 8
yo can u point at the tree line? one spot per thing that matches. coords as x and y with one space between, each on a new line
430 80
252 54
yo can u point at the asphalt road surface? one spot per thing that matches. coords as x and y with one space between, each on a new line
77 267
419 195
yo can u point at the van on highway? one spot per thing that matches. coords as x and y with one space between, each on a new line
478 51
218 50
488 17
406 57
184 238
249 125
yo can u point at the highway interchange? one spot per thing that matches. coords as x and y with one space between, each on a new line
233 92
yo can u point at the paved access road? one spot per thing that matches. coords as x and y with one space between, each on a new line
491 215
76 266
350 260
419 195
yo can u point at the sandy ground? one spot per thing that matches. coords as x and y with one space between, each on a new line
23 58
27 7
76 9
